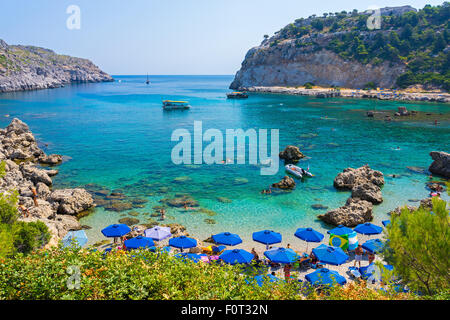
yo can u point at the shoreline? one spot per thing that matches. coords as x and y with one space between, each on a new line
319 92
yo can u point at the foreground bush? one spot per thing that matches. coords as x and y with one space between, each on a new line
147 275
418 248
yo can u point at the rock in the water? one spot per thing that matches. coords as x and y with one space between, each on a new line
350 177
441 163
318 206
367 191
285 183
52 159
291 154
71 201
354 212
179 202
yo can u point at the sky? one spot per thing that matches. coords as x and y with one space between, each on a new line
196 37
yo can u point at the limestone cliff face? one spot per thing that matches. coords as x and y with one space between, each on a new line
31 68
286 64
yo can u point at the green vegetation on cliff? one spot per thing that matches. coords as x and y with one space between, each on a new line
419 40
18 236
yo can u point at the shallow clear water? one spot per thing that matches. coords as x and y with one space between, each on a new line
118 136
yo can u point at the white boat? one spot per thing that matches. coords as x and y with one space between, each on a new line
297 171
171 105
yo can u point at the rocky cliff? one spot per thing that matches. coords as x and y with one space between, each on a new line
31 68
21 156
339 49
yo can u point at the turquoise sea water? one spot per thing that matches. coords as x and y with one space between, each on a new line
118 136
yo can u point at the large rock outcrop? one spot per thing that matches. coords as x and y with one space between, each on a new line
441 163
31 68
55 208
291 154
354 212
365 185
287 183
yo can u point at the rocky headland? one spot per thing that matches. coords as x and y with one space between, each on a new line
337 54
22 158
32 68
365 185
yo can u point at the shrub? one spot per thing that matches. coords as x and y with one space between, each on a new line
418 248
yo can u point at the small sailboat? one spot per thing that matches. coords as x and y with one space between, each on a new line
297 171
148 81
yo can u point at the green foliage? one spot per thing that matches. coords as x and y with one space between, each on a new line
2 168
308 85
418 248
148 275
18 236
370 85
415 39
8 207
29 236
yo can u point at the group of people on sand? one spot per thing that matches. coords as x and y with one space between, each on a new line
312 260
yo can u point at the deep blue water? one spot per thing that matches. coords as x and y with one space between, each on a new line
118 136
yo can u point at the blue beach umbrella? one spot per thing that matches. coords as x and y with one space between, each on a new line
267 237
373 272
368 228
191 256
227 238
139 242
340 230
386 222
158 233
236 256
75 237
260 279
182 242
281 255
325 277
309 235
116 230
330 255
373 245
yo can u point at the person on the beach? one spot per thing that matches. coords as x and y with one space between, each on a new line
34 195
287 271
288 246
163 213
24 211
371 257
358 255
255 255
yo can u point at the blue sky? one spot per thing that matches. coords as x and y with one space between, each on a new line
163 36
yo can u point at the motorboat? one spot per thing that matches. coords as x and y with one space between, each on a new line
172 105
237 95
297 171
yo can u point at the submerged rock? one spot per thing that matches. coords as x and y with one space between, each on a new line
318 206
441 163
129 221
52 159
224 200
354 212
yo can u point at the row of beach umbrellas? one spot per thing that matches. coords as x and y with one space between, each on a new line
324 253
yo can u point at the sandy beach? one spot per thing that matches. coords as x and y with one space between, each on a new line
381 94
